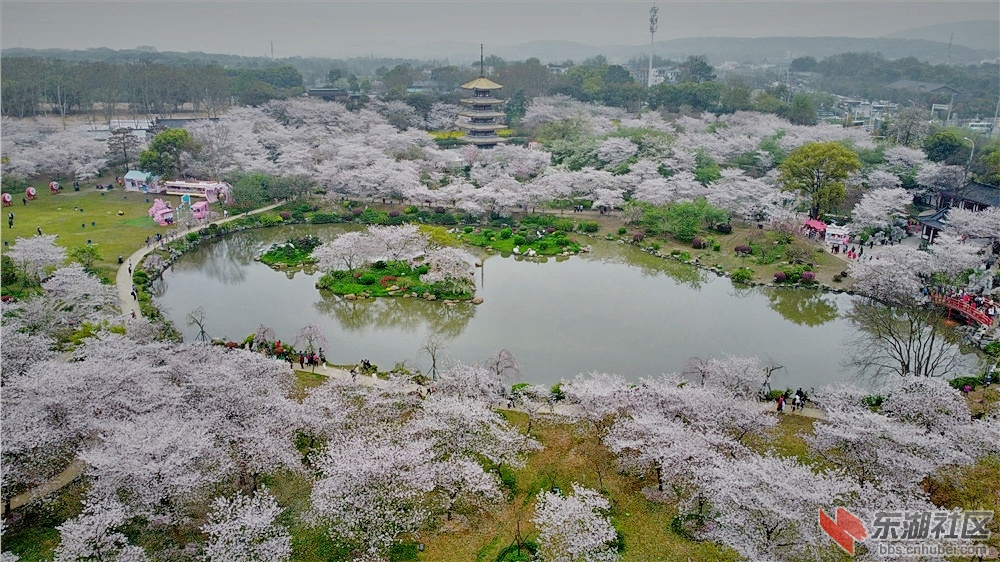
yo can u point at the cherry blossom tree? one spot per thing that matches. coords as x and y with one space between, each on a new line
935 176
395 243
370 490
951 256
616 151
575 527
311 337
896 276
242 529
929 403
472 382
95 534
347 252
888 454
35 256
975 224
451 267
156 461
879 207
765 507
677 453
735 376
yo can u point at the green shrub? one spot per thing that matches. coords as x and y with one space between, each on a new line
368 279
684 256
192 236
622 230
873 402
468 230
742 275
324 218
993 349
716 247
589 226
519 240
506 233
557 392
411 210
960 382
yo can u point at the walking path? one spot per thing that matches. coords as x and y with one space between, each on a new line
123 281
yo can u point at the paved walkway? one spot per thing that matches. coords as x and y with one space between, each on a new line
123 281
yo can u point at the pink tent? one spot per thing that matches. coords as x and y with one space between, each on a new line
816 225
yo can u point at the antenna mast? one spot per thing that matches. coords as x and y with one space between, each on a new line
481 66
653 21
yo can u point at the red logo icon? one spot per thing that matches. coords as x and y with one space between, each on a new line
844 529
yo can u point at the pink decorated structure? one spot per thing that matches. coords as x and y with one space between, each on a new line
199 210
212 191
161 212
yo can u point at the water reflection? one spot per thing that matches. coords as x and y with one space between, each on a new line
804 307
648 264
617 309
411 315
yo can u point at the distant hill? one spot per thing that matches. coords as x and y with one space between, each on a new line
755 50
716 49
983 35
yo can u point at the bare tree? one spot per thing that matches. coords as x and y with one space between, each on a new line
197 318
505 367
435 348
902 339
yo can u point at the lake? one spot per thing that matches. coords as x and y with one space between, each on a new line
616 309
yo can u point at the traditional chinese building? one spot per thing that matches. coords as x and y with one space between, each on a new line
481 114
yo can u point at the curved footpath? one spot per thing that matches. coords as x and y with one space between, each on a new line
123 281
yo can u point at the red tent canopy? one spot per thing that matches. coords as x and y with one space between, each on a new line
816 225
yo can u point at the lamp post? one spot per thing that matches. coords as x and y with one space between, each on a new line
965 176
972 153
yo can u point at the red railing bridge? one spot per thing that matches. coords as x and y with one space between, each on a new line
966 309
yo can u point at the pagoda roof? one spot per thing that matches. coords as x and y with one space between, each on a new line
490 141
480 126
481 84
482 113
481 101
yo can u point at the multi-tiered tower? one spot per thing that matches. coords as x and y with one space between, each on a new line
482 114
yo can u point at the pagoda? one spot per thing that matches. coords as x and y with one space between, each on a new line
481 114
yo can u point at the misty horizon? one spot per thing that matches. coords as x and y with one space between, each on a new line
395 29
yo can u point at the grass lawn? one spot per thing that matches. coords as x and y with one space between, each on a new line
115 235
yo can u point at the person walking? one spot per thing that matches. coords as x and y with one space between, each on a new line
10 220
38 229
781 403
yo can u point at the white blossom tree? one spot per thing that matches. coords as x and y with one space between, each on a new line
35 256
975 224
370 490
879 207
95 534
451 267
575 527
242 529
765 507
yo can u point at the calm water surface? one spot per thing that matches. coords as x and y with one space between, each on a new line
615 310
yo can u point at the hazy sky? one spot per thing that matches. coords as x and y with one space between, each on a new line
337 28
